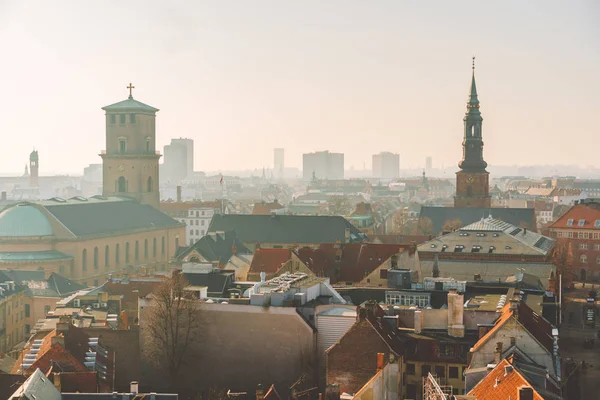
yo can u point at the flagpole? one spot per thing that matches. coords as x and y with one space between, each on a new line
222 197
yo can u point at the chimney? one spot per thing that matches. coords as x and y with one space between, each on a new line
514 305
394 261
260 392
456 327
418 321
525 393
179 193
507 369
498 353
524 231
133 387
380 361
57 383
63 324
58 340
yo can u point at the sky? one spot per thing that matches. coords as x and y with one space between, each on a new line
244 77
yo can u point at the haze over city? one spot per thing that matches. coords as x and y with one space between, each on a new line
243 77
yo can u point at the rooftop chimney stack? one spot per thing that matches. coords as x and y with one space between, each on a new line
133 387
179 193
418 321
456 327
525 393
498 353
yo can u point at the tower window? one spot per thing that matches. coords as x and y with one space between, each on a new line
154 247
149 184
469 191
122 118
145 249
147 145
162 246
132 118
117 255
137 250
113 119
121 185
122 145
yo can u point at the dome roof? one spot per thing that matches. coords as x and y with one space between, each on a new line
24 220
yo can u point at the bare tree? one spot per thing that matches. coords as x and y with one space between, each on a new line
562 258
172 327
401 222
340 205
451 225
423 227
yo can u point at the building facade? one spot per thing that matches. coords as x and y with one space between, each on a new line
278 163
174 166
323 165
130 161
386 165
472 180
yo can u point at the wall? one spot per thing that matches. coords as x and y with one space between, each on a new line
12 319
383 386
37 308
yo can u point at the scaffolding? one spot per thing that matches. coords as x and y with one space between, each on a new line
433 390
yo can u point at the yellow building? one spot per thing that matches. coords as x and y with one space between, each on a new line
12 316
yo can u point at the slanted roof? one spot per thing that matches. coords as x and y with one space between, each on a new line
502 384
216 247
130 104
216 282
514 216
37 387
571 219
63 286
287 228
269 260
96 216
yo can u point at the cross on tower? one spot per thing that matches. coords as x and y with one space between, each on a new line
130 87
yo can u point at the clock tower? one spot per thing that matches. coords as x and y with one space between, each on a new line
472 180
130 161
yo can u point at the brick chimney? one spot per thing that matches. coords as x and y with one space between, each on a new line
456 327
498 353
380 361
525 393
63 325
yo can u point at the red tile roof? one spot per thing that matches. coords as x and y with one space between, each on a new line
263 208
78 382
501 385
269 260
347 262
589 214
57 354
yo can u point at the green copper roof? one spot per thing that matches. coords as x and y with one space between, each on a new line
24 220
130 105
47 255
473 100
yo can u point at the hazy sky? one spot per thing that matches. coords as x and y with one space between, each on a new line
358 77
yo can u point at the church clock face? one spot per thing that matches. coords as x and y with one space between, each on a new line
121 167
470 179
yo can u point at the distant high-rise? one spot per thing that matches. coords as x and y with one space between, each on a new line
189 146
386 165
278 163
428 162
323 165
174 167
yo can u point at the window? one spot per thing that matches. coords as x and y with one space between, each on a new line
46 310
121 185
176 242
596 235
203 214
145 249
27 311
191 232
84 259
581 222
162 246
117 254
453 372
137 250
597 223
95 258
410 369
440 371
106 255
597 247
583 259
147 145
586 235
149 184
127 252
425 369
132 118
446 350
458 248
383 274
598 260
27 329
570 235
95 282
583 246
197 232
122 145
113 119
202 232
202 222
122 118
154 247
570 222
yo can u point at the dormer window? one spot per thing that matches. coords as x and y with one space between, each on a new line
581 222
570 222
132 118
597 223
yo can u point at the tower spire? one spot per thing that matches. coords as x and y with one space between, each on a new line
473 100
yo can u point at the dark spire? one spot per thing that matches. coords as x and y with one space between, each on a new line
473 100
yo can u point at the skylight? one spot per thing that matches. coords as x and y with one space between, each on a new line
570 222
581 222
597 223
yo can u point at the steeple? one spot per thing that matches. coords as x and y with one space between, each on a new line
473 100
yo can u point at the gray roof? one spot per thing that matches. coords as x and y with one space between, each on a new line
490 235
514 216
37 387
54 286
92 217
216 282
287 228
130 104
216 249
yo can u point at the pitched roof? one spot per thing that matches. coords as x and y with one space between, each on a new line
348 262
501 384
9 383
130 104
287 228
263 208
571 219
514 216
269 260
216 247
62 285
33 256
216 282
37 386
101 217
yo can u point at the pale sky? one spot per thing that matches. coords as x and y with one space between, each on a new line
358 77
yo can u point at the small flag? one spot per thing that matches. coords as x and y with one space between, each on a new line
221 181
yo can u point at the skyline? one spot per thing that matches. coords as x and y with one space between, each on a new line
265 77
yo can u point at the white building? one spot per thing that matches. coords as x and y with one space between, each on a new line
197 220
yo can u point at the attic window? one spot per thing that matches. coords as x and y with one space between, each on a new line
459 248
113 119
496 234
507 248
597 223
492 248
444 247
581 222
463 234
475 249
433 246
481 234
570 222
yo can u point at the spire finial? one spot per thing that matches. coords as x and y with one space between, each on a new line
130 87
473 64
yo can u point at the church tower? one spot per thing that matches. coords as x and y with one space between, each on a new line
130 161
34 169
472 180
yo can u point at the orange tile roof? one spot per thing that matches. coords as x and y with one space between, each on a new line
263 208
506 314
499 385
589 214
269 260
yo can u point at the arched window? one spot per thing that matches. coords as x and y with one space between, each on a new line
121 185
154 247
176 243
106 255
95 258
127 252
469 191
162 246
149 184
137 250
147 145
583 259
84 259
117 255
194 259
145 249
